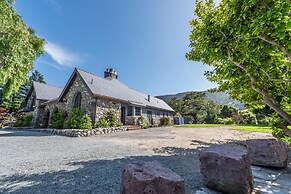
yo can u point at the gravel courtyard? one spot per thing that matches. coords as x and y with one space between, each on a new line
34 162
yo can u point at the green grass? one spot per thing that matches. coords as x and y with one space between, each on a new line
200 125
249 128
253 128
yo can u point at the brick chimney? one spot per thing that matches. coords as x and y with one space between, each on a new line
110 73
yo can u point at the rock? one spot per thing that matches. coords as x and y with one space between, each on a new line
268 152
150 178
226 168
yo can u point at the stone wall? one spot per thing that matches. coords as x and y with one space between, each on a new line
104 105
87 101
84 133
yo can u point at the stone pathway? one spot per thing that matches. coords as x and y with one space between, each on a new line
267 180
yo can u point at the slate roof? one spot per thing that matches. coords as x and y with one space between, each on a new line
115 89
46 92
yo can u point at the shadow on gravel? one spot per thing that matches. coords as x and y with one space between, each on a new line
14 133
104 176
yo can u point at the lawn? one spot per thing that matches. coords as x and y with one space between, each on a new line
250 128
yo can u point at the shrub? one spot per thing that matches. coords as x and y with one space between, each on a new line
27 121
143 122
119 124
165 121
102 123
248 117
85 122
111 118
76 117
67 123
58 119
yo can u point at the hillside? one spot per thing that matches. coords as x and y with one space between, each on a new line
217 97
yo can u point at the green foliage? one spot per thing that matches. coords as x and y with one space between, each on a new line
119 124
19 47
143 122
102 123
58 119
111 117
196 108
248 117
165 121
27 120
225 121
248 45
85 122
78 120
75 118
227 111
13 102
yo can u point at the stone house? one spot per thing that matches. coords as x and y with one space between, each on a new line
94 96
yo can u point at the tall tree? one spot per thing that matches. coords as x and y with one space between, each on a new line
19 47
248 42
14 101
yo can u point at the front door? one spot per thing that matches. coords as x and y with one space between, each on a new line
122 117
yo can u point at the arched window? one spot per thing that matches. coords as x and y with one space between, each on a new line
77 102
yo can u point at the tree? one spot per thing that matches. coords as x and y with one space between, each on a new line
247 42
195 106
19 47
228 111
14 101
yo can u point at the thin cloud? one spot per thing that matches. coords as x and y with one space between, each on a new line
60 55
54 5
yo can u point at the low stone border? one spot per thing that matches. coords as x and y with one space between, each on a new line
73 132
84 133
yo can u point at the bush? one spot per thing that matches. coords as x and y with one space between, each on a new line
75 119
102 123
78 120
85 122
165 121
119 124
58 119
27 121
143 122
111 118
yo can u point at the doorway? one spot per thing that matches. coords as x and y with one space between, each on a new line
122 116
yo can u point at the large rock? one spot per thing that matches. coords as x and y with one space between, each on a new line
268 152
226 168
150 178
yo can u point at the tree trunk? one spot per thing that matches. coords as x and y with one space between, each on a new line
268 100
286 130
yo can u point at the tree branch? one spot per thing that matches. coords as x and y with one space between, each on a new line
281 47
272 79
269 100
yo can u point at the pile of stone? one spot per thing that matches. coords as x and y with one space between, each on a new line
84 133
227 168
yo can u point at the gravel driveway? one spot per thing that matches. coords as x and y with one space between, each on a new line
34 162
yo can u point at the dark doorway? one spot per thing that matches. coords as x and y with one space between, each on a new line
46 119
150 116
122 118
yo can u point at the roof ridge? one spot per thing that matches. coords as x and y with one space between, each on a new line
48 84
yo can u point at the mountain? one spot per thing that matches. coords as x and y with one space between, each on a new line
217 97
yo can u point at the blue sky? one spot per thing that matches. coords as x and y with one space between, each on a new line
145 41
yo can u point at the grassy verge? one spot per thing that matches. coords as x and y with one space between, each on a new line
250 128
200 125
253 128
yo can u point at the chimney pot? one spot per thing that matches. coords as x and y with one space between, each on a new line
110 73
